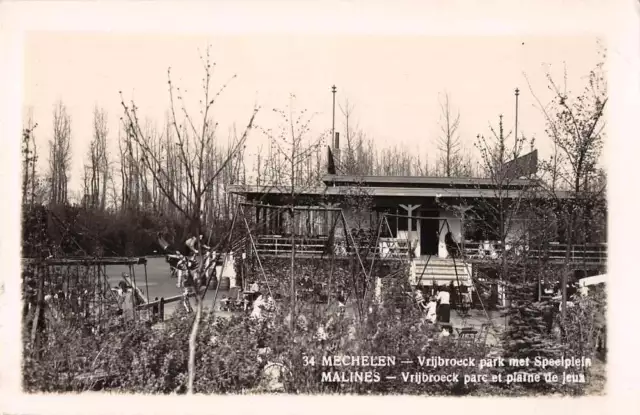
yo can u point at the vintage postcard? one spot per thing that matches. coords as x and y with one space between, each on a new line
412 203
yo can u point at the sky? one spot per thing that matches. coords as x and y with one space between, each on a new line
393 83
85 52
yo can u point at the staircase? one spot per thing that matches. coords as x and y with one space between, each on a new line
442 271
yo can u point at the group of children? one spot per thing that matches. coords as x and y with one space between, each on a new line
184 265
438 308
188 257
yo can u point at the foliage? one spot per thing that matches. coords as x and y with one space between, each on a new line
337 273
232 353
535 329
529 332
140 359
585 324
75 230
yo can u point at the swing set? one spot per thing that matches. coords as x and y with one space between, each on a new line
411 258
81 286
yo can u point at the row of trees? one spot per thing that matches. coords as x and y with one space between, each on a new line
124 181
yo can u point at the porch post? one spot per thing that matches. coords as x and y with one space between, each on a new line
410 209
257 217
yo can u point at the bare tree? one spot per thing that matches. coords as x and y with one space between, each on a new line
499 215
29 160
60 155
353 159
449 145
292 149
575 124
193 140
97 168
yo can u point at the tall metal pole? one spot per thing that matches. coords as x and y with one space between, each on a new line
333 122
517 94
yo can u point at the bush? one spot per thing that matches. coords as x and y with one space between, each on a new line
232 353
136 358
75 230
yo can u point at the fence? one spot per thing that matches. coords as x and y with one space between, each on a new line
593 254
276 245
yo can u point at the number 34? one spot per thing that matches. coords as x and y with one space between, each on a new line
308 360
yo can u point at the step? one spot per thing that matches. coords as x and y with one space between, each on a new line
437 260
432 272
442 268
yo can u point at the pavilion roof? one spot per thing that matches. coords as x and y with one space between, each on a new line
387 191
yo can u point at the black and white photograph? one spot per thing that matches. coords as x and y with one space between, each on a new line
300 212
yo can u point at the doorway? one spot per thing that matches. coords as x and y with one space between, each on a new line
429 239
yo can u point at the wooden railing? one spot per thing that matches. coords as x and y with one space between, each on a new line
274 245
392 247
555 252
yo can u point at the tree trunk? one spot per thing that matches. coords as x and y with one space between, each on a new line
195 328
567 269
193 337
293 279
39 305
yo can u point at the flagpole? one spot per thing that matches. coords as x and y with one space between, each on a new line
517 94
333 122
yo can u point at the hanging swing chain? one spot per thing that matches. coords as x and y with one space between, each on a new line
226 239
357 251
373 257
471 278
253 245
332 256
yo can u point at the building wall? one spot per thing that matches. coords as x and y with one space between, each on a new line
319 223
357 219
455 225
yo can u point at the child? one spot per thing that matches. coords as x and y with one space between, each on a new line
431 309
419 299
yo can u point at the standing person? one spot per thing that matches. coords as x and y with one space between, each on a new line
193 244
419 297
444 307
127 302
430 308
258 306
189 289
182 267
